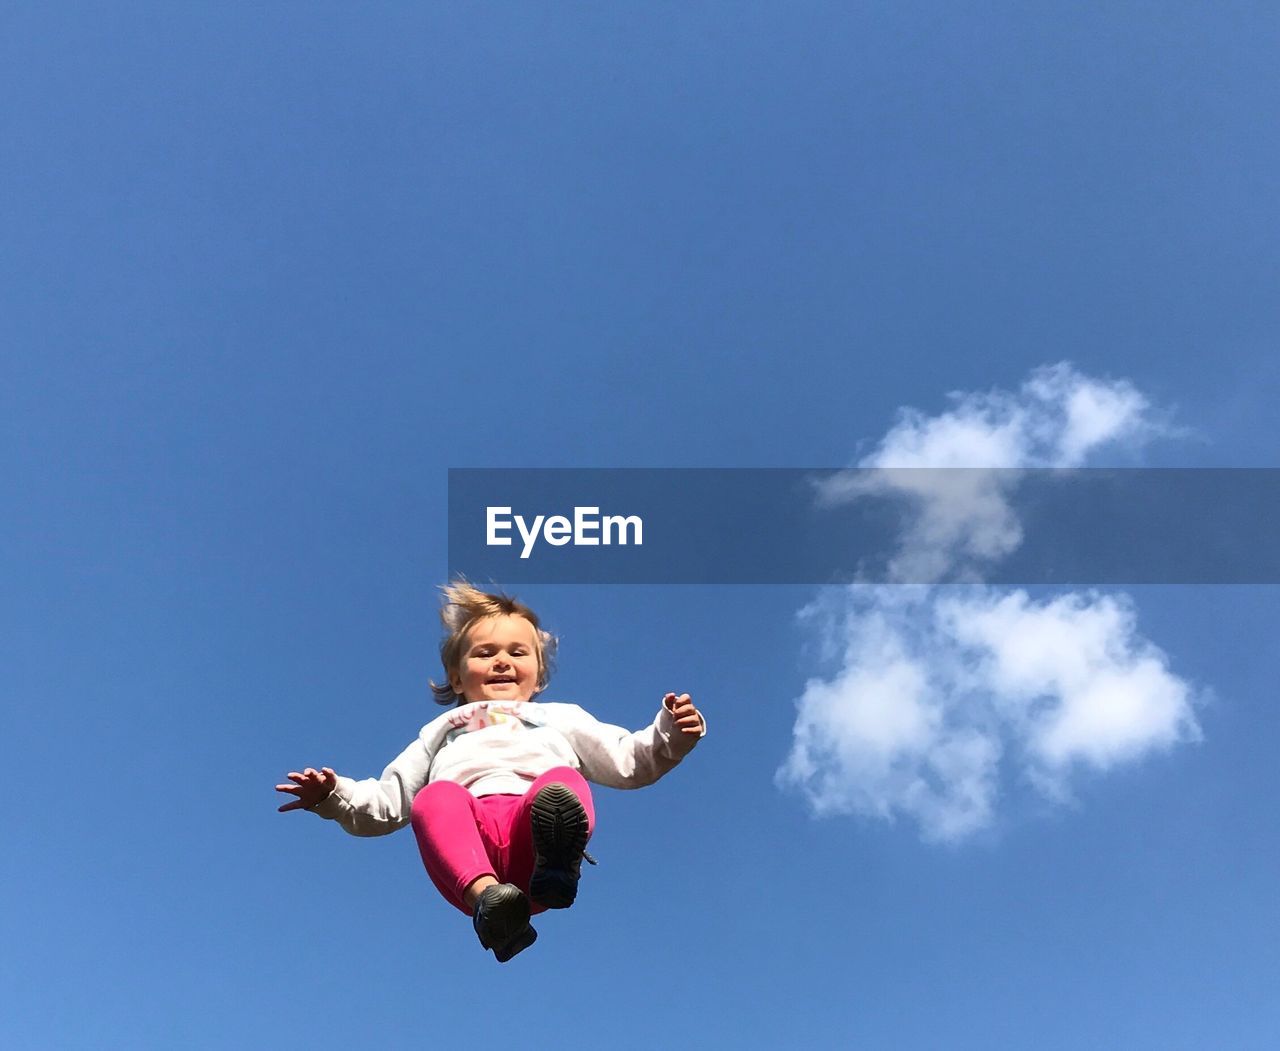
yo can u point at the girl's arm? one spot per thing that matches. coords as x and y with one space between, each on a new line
374 806
617 757
377 806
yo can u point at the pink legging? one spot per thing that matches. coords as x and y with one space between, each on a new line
463 837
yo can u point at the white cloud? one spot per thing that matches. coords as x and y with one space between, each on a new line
945 700
880 737
1057 418
955 470
1073 678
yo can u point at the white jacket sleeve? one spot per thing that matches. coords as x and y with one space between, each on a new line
617 757
376 806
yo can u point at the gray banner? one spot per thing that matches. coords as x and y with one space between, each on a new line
912 526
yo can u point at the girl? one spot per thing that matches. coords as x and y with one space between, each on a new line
495 788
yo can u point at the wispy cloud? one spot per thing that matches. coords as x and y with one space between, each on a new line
946 699
962 519
1057 418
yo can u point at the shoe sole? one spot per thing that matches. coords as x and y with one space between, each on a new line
507 930
559 825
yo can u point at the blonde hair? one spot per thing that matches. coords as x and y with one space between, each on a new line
462 604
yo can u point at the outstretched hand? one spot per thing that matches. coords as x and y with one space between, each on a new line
312 787
687 717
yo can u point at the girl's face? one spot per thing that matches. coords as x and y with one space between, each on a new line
499 661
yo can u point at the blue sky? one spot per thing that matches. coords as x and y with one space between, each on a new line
266 274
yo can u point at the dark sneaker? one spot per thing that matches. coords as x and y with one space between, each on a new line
559 840
501 920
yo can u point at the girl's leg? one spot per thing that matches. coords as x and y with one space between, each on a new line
521 851
447 822
459 842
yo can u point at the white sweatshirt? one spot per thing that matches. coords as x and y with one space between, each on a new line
490 747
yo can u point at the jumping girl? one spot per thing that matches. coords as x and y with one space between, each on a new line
496 788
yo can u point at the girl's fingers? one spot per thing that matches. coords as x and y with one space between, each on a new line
311 782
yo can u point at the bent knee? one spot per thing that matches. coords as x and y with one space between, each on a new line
435 795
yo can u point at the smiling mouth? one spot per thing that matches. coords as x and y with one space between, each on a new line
501 680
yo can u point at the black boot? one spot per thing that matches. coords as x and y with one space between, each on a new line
559 826
501 920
